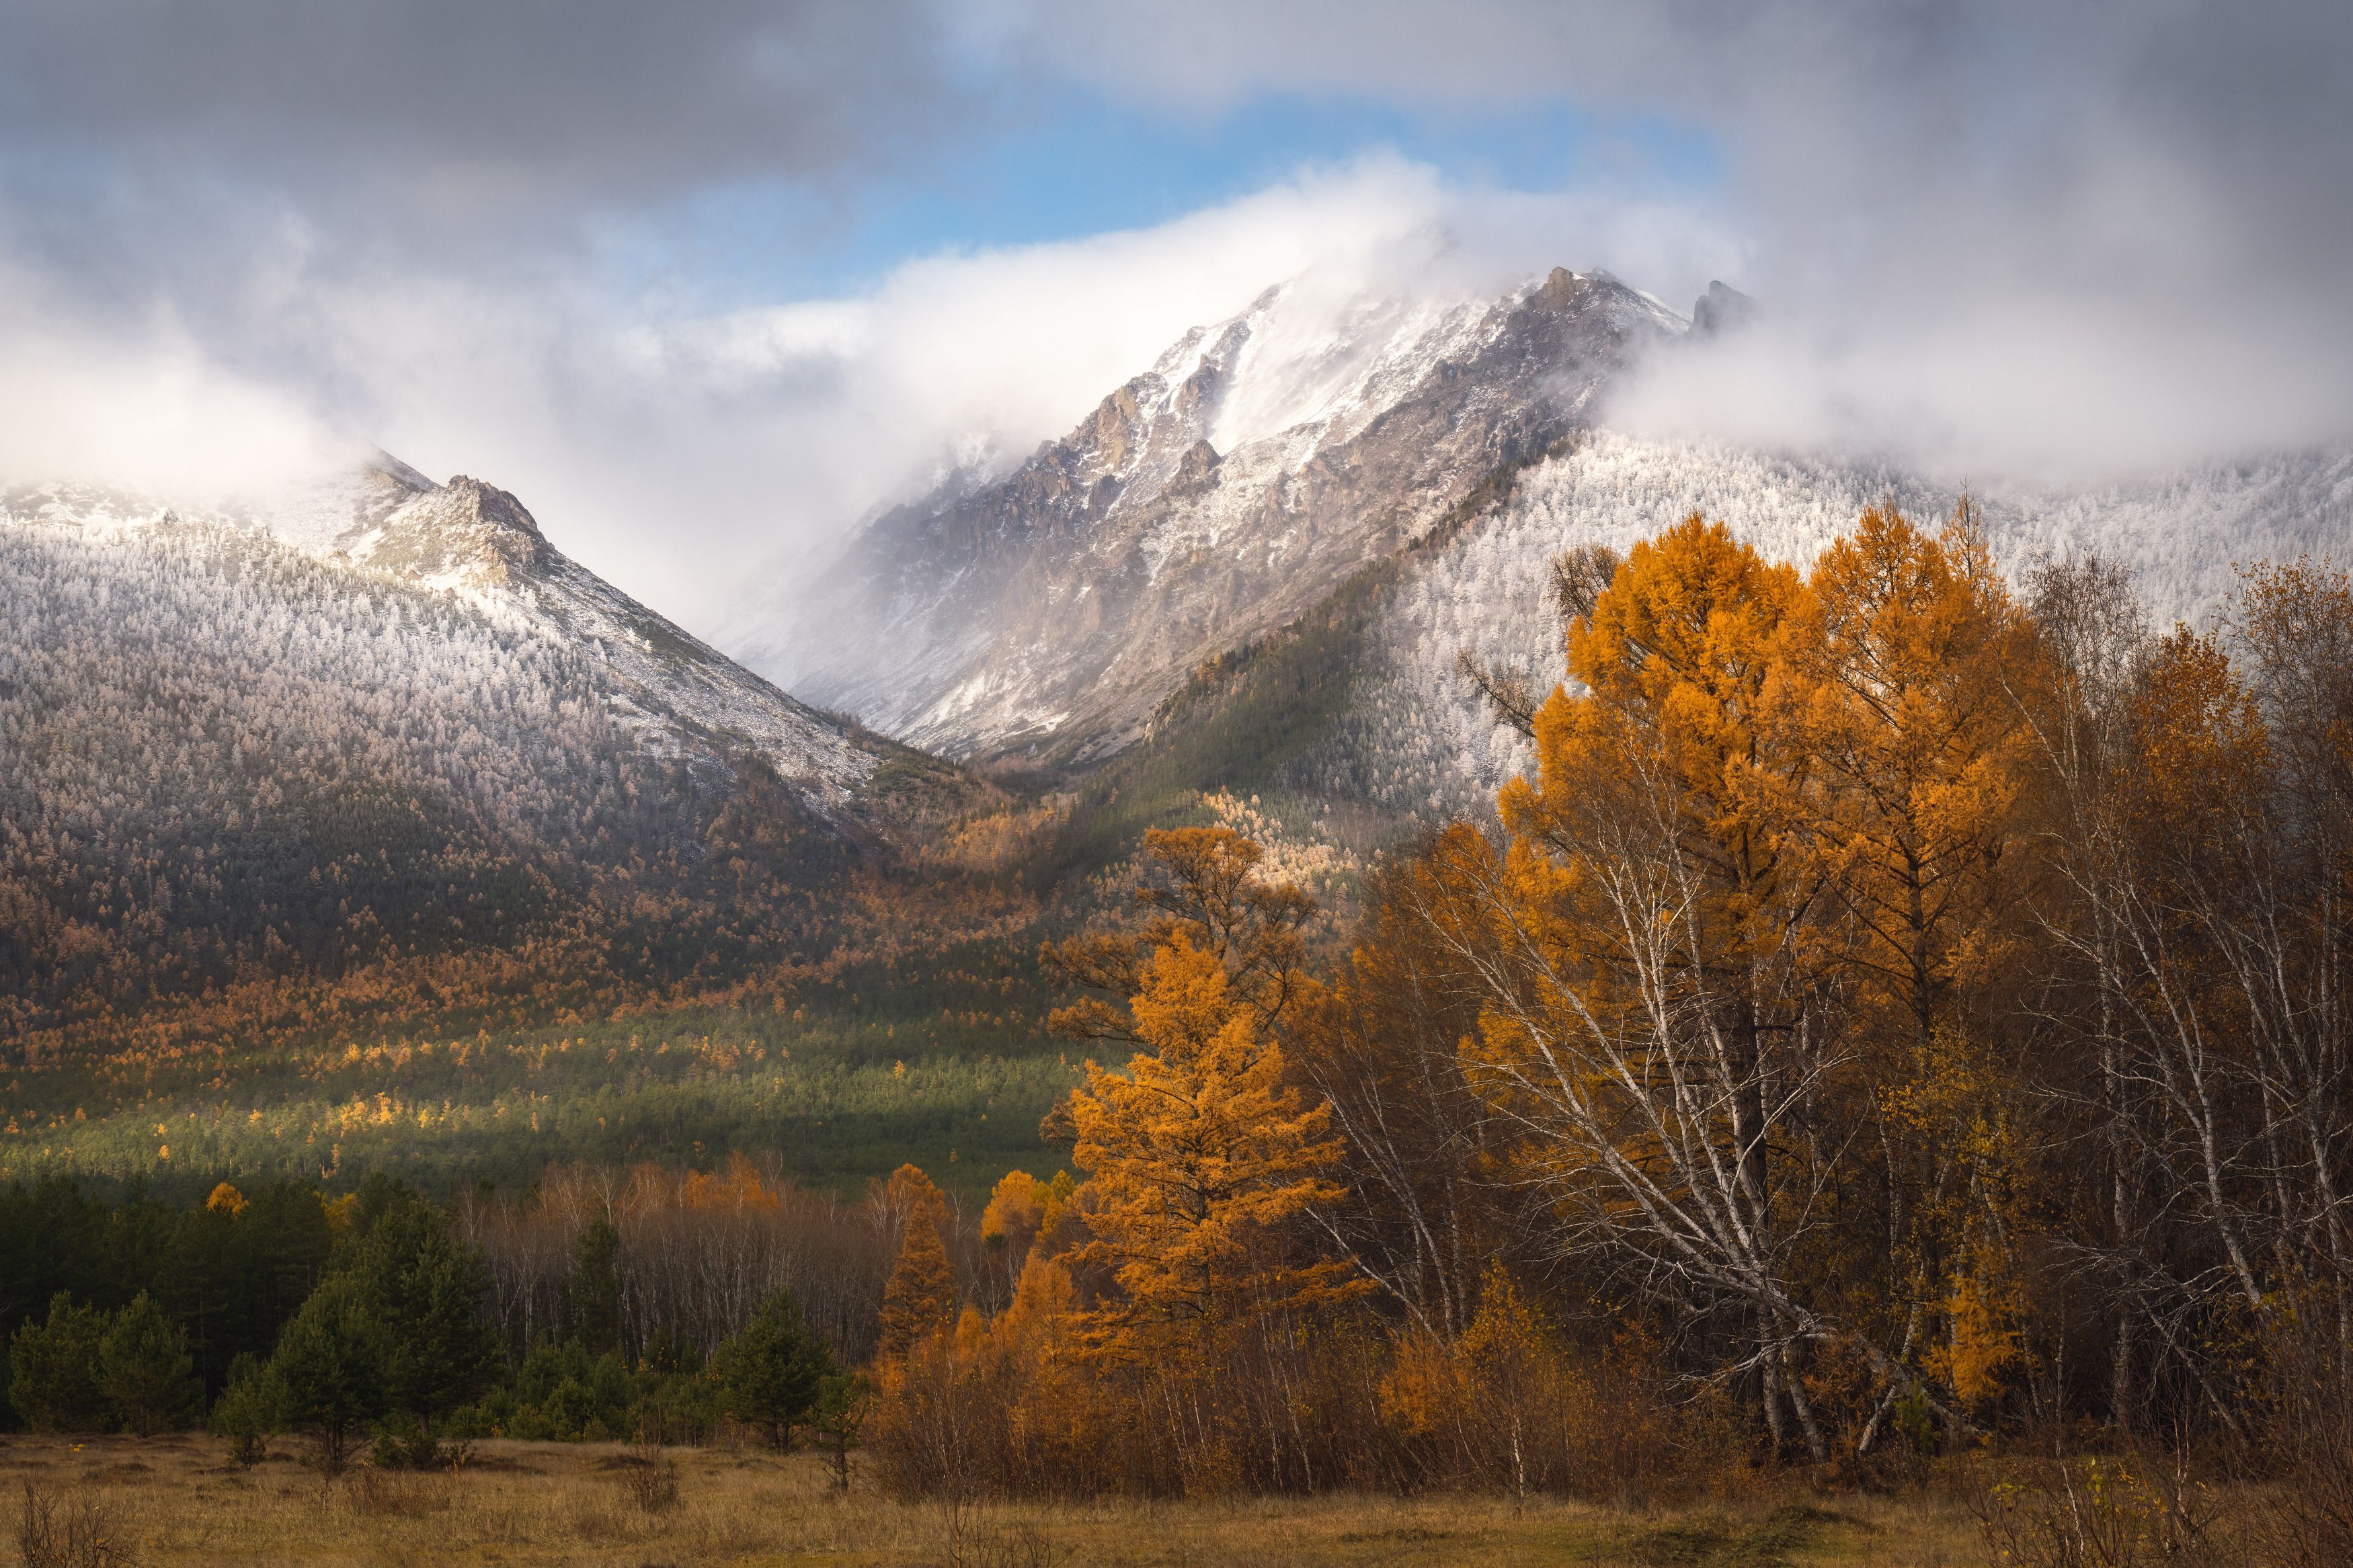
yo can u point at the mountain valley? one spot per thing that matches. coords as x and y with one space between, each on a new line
371 764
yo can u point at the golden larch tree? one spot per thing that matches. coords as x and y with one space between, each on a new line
919 1295
1199 1161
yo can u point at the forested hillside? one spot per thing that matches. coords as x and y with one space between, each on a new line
1888 1029
259 806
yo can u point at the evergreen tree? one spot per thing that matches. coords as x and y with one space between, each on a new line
773 1372
331 1365
276 1254
592 1291
52 1238
844 1400
249 1410
53 1370
426 1290
145 1370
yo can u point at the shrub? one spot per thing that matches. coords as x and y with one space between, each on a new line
76 1534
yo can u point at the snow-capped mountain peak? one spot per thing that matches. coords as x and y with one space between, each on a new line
1219 492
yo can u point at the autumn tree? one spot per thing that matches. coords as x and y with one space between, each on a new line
1200 1159
1200 886
1009 1223
919 1295
1423 1215
1901 678
1655 1030
2203 852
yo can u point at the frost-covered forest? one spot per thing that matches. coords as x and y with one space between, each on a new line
226 760
1419 740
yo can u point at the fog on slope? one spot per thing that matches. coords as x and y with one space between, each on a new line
1214 497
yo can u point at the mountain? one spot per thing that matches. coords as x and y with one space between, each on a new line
1385 481
1244 585
1215 496
377 735
1417 738
476 543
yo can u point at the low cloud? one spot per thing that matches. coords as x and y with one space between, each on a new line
139 406
1990 234
2063 241
680 453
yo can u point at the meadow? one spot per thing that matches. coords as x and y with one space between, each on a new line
954 1075
177 1502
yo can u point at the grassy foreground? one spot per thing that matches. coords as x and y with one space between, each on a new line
175 1500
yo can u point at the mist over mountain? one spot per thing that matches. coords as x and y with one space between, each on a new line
1213 497
1046 615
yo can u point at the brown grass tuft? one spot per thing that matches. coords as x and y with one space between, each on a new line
67 1532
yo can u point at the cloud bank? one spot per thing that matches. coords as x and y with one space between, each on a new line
2065 240
2003 233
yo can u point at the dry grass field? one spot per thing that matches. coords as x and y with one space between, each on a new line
177 1501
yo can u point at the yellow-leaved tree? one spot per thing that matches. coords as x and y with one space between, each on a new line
1901 678
1201 1161
919 1297
1202 1158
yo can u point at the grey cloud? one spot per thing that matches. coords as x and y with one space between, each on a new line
471 105
2113 229
2142 207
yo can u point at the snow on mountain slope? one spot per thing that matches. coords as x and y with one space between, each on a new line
1214 497
1419 740
383 521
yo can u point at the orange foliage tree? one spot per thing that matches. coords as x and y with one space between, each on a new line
1199 1158
919 1297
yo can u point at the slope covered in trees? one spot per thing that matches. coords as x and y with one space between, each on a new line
1894 1015
259 806
1893 1018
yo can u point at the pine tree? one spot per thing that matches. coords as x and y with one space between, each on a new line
428 1291
771 1374
53 1370
844 1401
145 1370
331 1365
921 1294
592 1291
250 1411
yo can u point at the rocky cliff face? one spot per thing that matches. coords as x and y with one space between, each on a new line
1216 495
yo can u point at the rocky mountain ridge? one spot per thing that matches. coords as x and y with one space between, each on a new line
1216 495
1045 616
381 521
